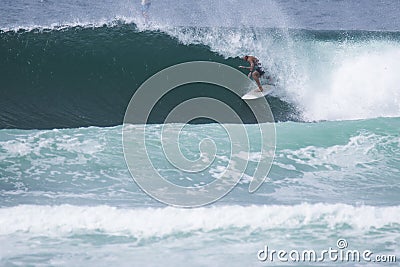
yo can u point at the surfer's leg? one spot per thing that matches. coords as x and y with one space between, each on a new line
256 77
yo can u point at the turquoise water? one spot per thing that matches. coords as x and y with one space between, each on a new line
351 162
67 197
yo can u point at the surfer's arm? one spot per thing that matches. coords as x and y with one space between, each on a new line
251 68
251 61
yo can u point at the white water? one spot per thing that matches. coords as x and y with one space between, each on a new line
349 80
159 222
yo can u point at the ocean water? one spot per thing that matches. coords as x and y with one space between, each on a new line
69 68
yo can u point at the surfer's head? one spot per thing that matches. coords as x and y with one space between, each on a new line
245 58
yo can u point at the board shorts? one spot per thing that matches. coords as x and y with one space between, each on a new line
260 71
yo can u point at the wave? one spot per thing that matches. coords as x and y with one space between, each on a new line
172 13
321 73
73 76
350 162
162 222
80 76
206 13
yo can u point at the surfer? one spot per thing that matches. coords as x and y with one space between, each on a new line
145 9
256 70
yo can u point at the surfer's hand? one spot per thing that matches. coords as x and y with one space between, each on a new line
249 74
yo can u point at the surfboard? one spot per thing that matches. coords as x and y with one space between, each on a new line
255 93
